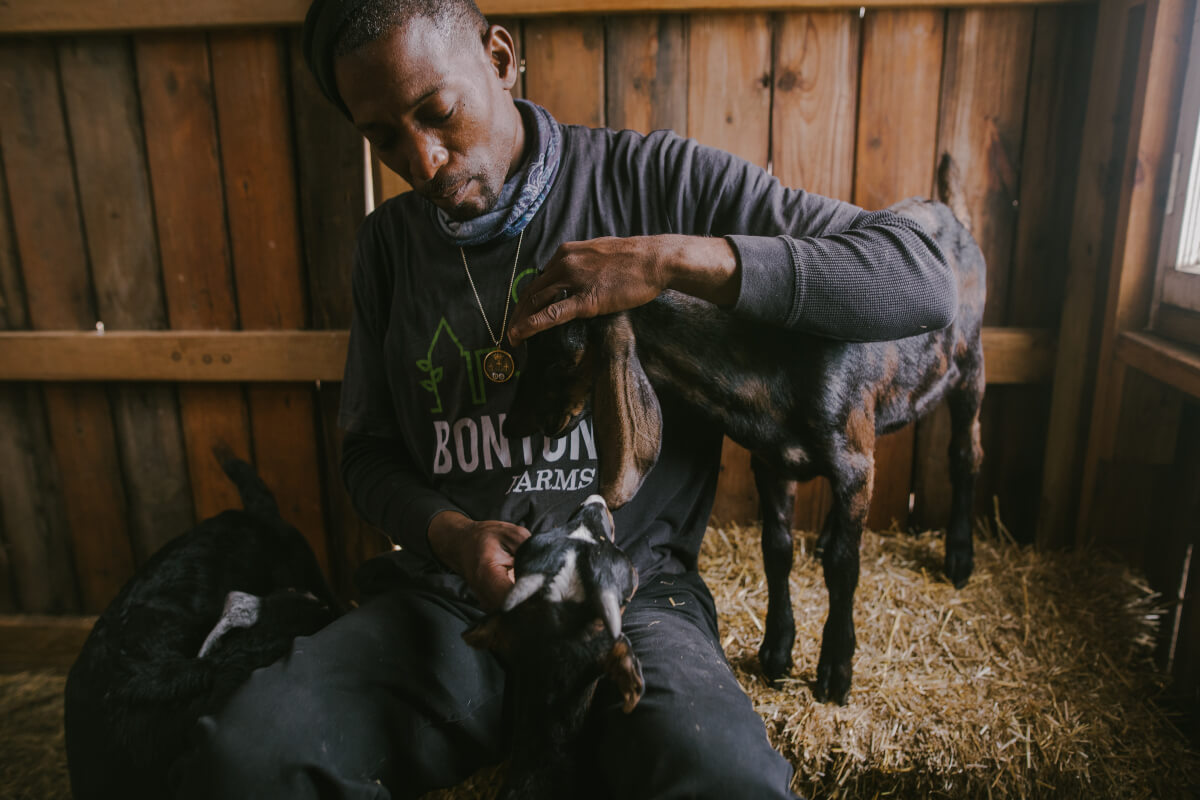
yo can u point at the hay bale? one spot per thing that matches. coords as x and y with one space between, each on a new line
34 764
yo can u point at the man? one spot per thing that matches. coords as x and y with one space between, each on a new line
389 701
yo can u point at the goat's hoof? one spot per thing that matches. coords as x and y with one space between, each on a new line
833 684
822 543
959 567
776 664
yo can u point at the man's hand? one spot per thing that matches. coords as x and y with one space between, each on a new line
481 552
603 276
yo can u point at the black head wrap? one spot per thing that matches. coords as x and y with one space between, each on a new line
322 25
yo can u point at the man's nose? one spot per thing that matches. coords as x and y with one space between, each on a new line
427 157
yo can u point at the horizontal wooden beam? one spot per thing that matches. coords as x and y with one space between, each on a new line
41 642
259 356
1013 355
70 16
1170 363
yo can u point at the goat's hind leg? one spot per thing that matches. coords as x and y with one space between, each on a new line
966 455
776 501
853 479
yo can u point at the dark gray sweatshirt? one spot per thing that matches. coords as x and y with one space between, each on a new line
424 428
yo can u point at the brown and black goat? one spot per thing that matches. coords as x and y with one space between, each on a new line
803 406
558 632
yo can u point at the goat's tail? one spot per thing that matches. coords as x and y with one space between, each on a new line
256 497
950 189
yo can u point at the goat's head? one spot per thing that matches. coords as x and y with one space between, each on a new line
572 585
592 365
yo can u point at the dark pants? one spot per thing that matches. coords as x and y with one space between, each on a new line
390 702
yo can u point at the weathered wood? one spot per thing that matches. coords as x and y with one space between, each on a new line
107 15
189 205
812 139
100 89
729 106
646 78
36 641
1089 243
1178 325
1176 366
564 68
1146 173
895 153
984 92
250 88
50 244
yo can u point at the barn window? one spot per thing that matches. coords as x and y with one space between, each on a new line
1180 249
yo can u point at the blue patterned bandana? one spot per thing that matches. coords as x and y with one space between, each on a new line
522 194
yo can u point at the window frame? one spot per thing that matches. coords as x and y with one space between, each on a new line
1177 290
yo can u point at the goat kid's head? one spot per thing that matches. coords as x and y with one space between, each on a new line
572 586
592 365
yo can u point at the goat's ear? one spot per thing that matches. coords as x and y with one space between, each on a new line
488 634
625 413
624 669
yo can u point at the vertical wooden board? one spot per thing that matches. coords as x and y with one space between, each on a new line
35 544
258 160
49 240
330 170
895 151
1062 53
564 68
984 93
33 527
356 540
331 186
99 87
646 78
729 106
812 138
1113 70
189 211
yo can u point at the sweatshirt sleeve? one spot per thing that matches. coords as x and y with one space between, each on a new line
386 487
809 263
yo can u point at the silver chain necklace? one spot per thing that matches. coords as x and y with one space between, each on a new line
498 365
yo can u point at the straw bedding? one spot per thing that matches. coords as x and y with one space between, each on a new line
1033 681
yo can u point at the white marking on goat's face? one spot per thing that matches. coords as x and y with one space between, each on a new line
522 590
595 498
582 534
566 585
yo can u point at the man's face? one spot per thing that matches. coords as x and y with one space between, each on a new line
436 107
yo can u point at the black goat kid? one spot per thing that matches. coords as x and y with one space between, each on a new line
802 405
210 607
559 632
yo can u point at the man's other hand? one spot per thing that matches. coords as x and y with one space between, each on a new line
481 552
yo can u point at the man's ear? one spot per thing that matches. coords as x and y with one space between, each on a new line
625 412
503 53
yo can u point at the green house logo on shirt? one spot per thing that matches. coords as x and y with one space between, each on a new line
472 363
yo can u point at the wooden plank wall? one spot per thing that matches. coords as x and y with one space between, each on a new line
197 180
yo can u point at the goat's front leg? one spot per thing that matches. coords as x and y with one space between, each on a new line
852 485
776 503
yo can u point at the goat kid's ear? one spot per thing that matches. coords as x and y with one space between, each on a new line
488 634
625 412
624 669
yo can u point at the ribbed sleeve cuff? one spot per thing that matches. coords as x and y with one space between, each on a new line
409 523
770 278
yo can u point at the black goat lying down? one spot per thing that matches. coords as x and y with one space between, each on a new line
559 631
189 627
802 405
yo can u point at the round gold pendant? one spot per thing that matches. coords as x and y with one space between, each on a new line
498 366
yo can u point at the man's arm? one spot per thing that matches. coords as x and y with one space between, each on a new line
785 257
393 496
